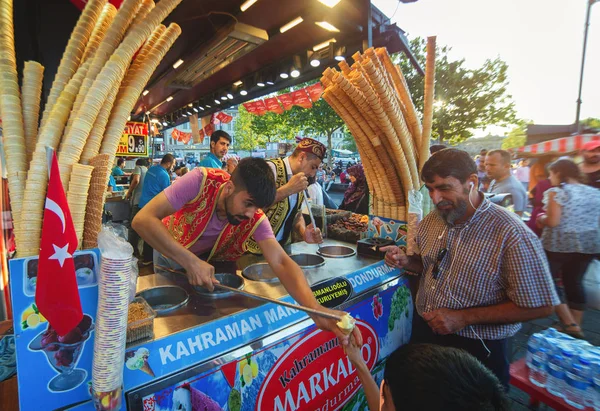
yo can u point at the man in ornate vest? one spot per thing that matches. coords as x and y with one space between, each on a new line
291 178
209 214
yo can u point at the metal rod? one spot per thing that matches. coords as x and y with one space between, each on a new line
312 218
261 297
585 36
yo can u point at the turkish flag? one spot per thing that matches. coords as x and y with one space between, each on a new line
56 293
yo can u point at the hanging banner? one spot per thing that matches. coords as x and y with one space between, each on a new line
224 117
134 141
261 108
315 91
301 99
273 105
180 135
80 4
209 129
196 136
250 107
286 100
208 124
186 138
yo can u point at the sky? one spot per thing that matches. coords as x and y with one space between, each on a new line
540 40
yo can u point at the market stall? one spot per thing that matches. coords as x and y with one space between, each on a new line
201 351
557 147
202 345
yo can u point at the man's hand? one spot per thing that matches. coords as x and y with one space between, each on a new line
395 257
313 235
128 195
297 183
327 324
200 273
445 321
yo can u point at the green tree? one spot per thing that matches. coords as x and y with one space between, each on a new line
516 138
245 138
466 99
320 120
348 143
275 127
592 123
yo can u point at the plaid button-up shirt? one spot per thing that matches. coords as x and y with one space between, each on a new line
491 259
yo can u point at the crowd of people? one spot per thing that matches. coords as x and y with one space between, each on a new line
482 270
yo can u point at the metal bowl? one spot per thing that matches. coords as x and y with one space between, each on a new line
336 251
165 299
228 279
260 272
308 260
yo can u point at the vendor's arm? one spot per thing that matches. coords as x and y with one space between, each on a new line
148 224
297 183
353 351
309 233
292 278
530 291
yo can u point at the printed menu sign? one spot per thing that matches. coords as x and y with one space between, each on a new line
134 141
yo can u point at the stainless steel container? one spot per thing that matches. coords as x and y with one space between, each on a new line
260 272
228 279
308 260
336 251
165 299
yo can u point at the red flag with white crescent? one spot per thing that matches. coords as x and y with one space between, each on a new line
56 294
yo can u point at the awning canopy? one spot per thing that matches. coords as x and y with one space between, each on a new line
229 52
559 146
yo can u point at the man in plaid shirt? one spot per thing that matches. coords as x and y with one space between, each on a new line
482 271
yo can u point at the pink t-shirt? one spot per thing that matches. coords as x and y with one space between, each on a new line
184 191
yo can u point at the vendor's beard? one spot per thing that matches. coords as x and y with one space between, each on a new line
455 213
232 218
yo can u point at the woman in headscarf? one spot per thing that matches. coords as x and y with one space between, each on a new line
356 197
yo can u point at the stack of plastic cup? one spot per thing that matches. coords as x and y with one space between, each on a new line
111 332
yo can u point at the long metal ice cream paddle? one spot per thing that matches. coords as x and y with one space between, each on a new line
261 297
312 218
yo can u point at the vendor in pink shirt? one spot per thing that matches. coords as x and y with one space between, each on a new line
211 214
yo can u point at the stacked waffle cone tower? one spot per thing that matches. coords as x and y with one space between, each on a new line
373 99
109 58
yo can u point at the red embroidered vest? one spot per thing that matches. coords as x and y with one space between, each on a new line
188 223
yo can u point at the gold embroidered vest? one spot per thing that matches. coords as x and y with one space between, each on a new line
188 224
278 212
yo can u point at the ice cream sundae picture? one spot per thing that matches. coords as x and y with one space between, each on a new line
63 353
138 360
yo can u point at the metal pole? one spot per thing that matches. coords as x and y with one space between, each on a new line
585 35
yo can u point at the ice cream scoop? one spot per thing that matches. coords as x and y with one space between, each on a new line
346 324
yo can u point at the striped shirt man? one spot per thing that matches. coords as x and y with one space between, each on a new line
489 259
